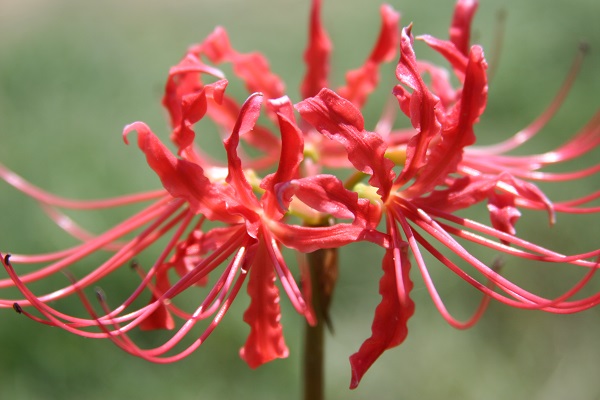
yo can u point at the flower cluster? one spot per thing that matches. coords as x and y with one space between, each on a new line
232 220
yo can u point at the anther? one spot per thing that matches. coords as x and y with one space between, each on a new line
584 47
100 295
134 265
7 260
498 263
17 308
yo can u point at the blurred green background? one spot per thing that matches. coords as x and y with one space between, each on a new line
72 74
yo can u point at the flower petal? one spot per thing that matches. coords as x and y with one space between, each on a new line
181 178
419 106
193 109
185 78
448 50
326 194
361 82
503 213
292 147
316 55
252 68
338 119
245 123
308 239
460 29
457 128
265 342
389 327
160 318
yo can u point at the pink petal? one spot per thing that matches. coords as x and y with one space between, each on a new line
448 50
193 109
463 193
226 115
324 193
440 83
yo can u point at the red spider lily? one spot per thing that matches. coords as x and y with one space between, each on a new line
442 174
251 236
222 218
251 211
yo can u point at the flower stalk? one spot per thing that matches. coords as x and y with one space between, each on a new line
229 223
323 270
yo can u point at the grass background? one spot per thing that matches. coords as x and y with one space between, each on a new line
72 74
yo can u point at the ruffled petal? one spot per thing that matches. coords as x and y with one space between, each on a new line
460 28
308 239
245 123
457 132
160 318
338 119
448 50
389 327
316 55
252 68
185 78
419 106
265 342
326 194
503 213
362 81
193 109
292 147
181 178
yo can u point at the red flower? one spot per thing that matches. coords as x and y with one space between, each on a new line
231 218
214 214
441 174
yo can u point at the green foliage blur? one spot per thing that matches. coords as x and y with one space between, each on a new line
72 74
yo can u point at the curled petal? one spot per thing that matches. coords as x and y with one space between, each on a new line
457 131
316 55
440 83
160 318
389 327
292 147
338 119
419 106
324 193
193 109
252 68
308 239
361 82
448 50
503 213
460 29
245 123
185 78
265 342
181 178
